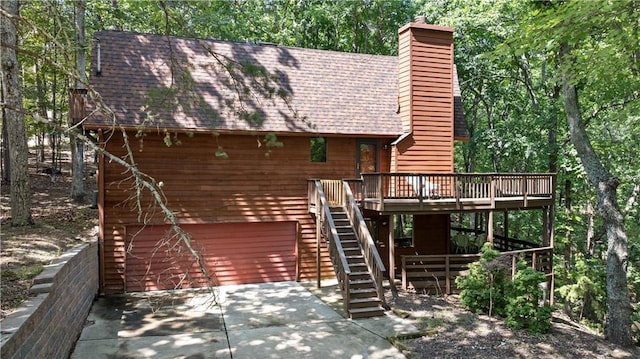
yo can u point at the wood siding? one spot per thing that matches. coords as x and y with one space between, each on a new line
252 185
404 80
426 100
233 254
430 236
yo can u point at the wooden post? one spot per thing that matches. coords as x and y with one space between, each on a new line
506 224
550 224
545 226
490 227
381 191
525 191
448 274
404 274
318 231
392 250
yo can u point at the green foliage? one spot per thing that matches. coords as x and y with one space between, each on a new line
22 273
584 293
483 289
318 149
507 60
487 289
523 309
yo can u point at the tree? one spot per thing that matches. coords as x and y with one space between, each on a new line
13 111
589 37
605 185
77 146
508 59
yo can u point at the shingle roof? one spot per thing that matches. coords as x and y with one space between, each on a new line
207 85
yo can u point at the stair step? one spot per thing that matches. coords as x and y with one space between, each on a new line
348 237
350 245
364 302
355 313
362 293
355 260
361 283
361 275
358 267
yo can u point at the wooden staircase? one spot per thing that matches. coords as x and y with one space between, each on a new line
362 296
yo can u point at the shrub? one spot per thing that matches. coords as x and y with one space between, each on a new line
523 309
487 289
483 289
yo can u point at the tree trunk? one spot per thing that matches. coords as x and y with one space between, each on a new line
16 131
77 146
605 185
5 167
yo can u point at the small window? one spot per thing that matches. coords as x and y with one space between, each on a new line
318 149
403 230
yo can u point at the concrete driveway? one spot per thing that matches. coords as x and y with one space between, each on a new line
271 320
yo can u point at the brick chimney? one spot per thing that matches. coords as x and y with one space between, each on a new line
425 96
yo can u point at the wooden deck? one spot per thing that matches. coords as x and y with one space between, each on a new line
426 193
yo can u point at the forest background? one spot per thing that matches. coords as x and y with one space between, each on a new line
547 87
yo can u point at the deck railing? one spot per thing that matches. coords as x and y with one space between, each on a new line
336 252
324 194
438 272
458 186
370 252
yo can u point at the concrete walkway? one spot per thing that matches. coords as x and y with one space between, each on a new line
271 320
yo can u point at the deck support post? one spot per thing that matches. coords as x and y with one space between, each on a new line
490 227
392 251
545 226
506 224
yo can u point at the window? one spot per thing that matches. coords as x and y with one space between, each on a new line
403 230
318 149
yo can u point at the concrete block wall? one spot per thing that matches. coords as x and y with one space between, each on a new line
48 324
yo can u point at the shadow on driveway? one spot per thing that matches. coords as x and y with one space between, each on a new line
269 320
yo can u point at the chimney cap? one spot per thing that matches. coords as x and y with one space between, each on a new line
420 19
424 26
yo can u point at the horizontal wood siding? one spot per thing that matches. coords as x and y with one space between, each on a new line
404 80
233 253
430 236
252 185
430 88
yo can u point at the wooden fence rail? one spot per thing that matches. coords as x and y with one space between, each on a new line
438 272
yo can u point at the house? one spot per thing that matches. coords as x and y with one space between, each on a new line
291 164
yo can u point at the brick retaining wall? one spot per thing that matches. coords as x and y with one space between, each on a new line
48 325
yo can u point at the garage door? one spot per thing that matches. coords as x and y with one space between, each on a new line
234 253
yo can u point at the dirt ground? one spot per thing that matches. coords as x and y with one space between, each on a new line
59 224
452 332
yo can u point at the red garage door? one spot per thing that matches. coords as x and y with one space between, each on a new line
234 253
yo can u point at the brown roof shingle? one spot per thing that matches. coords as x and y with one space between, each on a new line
218 85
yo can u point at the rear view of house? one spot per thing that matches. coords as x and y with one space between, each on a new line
290 164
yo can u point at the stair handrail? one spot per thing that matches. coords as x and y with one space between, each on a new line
370 251
343 273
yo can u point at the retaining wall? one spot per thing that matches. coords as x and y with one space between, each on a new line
48 325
